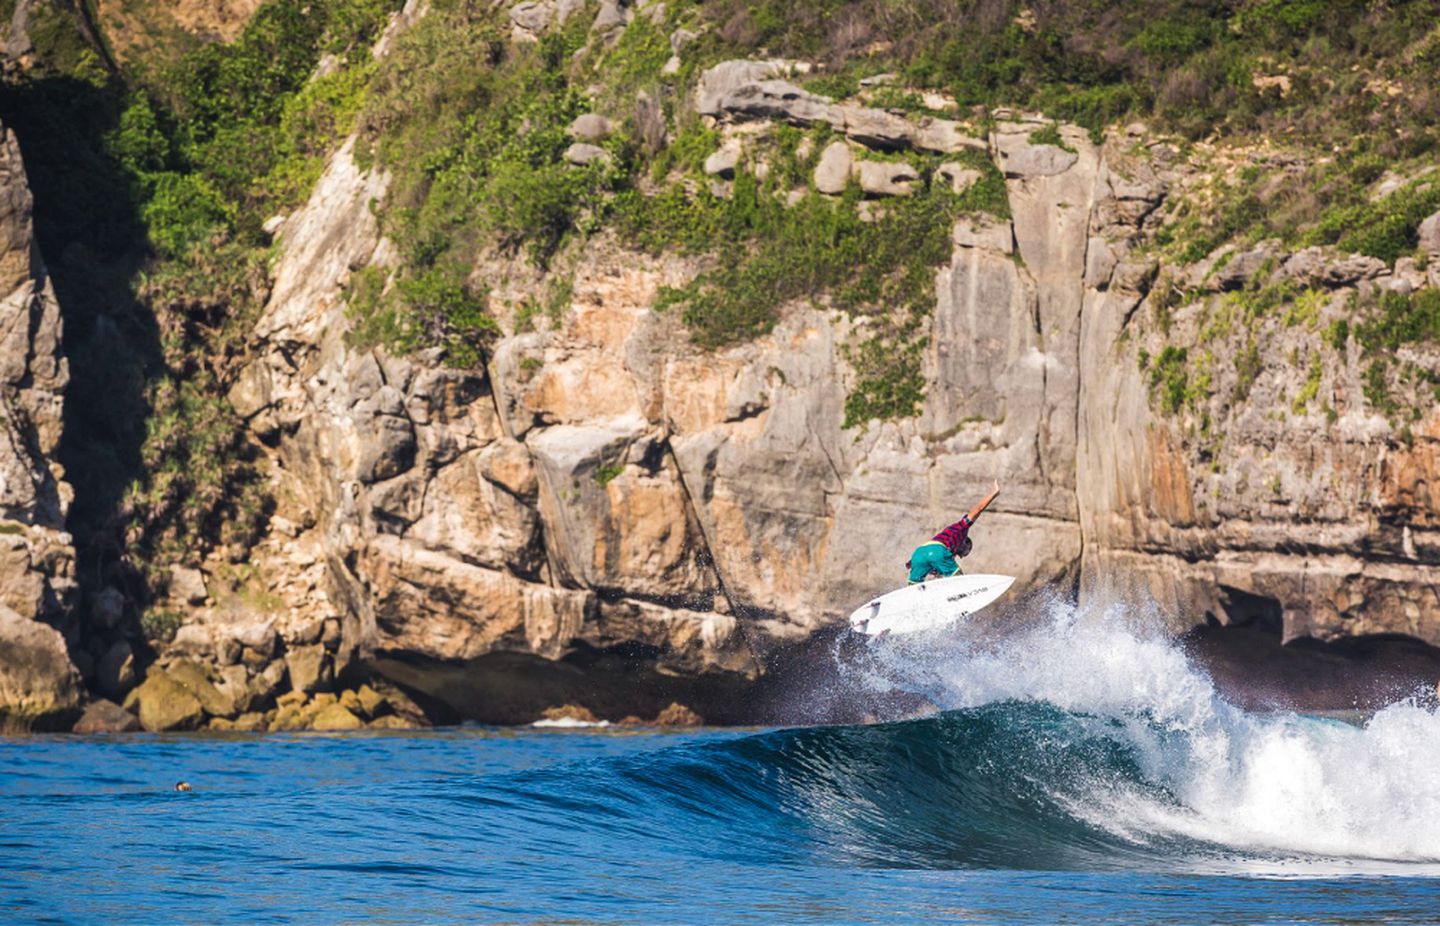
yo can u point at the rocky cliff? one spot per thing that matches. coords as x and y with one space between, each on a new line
601 486
39 687
607 510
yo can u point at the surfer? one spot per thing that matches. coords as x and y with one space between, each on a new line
938 556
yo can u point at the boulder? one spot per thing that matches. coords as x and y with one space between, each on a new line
1020 158
612 16
104 716
188 585
165 704
573 712
875 128
725 81
265 683
392 722
886 178
722 163
580 154
39 686
289 717
372 703
258 636
751 90
680 38
1134 277
678 715
234 685
1429 235
336 717
777 100
306 632
292 698
591 127
1316 266
194 677
960 177
115 671
249 721
1243 267
532 16
194 638
832 173
690 643
941 136
309 668
84 663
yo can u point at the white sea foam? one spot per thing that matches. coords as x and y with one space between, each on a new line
1276 784
569 723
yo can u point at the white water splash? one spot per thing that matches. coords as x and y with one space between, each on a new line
1277 785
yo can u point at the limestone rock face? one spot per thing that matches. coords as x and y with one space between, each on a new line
1275 528
747 91
603 488
36 556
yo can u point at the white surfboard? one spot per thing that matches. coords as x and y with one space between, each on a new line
928 605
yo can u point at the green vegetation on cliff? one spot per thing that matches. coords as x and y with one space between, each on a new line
474 130
151 187
1275 67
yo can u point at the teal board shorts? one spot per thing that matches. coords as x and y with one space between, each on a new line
932 557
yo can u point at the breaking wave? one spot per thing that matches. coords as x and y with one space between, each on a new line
1079 743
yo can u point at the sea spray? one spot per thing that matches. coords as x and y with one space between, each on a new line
1236 784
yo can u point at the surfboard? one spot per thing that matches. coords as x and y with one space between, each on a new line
928 605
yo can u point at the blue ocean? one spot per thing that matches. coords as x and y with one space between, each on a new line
1078 772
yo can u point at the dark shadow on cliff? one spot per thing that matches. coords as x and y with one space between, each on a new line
803 684
1252 669
93 243
516 688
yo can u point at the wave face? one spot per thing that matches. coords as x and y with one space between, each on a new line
1077 744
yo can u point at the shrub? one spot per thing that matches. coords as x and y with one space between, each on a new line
184 210
1376 387
1171 378
1386 229
1401 319
160 625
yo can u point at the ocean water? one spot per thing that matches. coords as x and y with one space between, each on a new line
1077 772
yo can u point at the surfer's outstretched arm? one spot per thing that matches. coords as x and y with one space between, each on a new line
984 502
